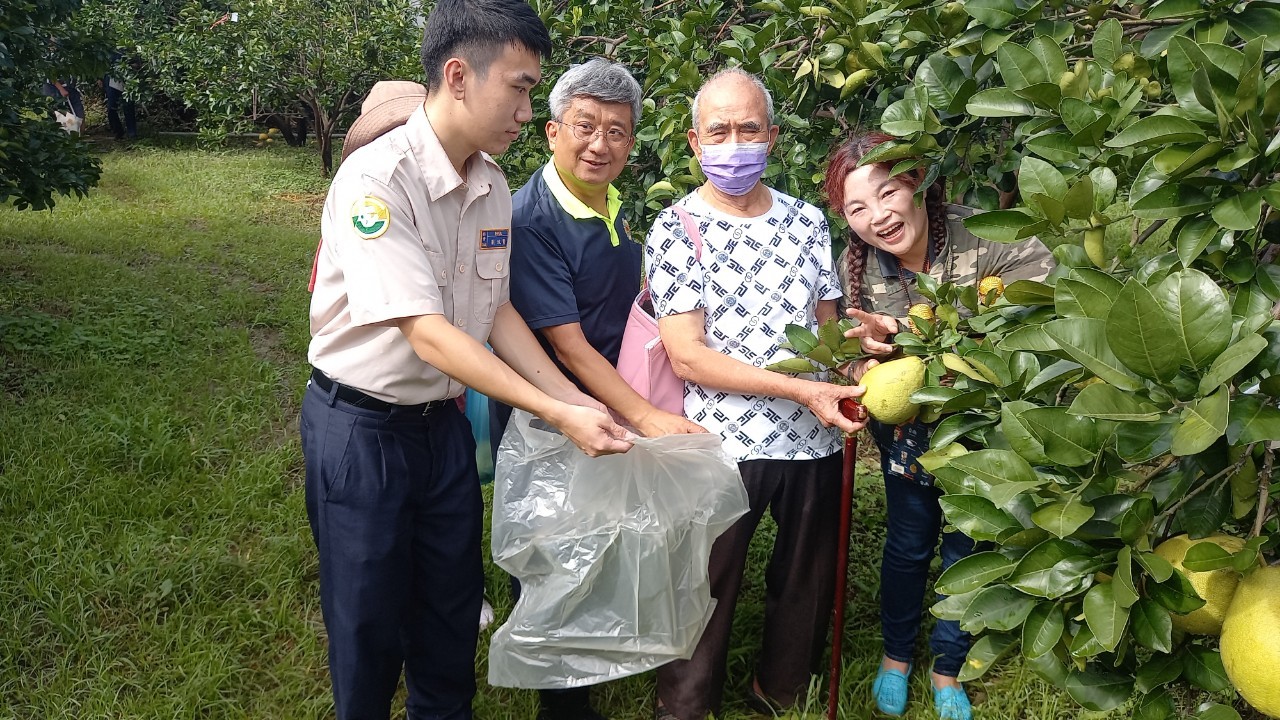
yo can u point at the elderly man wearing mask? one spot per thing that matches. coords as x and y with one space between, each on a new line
763 261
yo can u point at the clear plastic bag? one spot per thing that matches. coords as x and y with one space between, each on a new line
611 553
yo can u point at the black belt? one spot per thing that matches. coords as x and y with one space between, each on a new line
352 396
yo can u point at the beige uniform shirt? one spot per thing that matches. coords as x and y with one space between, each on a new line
402 235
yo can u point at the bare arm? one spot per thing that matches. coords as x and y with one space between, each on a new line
692 360
459 356
604 382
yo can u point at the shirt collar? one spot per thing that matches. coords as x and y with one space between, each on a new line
436 168
580 210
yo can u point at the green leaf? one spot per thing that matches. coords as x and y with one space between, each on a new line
957 426
1055 147
1104 186
999 102
985 652
1239 212
1201 423
1028 292
1152 626
948 86
1203 667
1084 339
953 607
793 366
974 571
995 466
1019 67
1258 20
1157 705
1105 402
1159 568
977 517
1099 689
1076 298
1031 338
1205 556
1218 711
1038 176
1160 670
1141 335
1052 569
1231 361
1050 55
992 13
1158 130
1205 513
1079 199
1251 420
1022 440
1194 237
1042 629
1122 579
1175 594
1107 41
1140 442
1179 160
1063 517
1003 226
1172 201
1106 617
801 338
1174 8
1200 312
1068 439
997 608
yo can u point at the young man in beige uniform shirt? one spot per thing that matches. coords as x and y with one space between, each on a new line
410 281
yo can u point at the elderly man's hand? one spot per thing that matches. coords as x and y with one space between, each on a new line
824 400
591 430
874 331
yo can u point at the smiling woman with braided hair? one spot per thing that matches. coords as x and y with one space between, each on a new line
891 240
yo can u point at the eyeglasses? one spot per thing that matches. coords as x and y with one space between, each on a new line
586 132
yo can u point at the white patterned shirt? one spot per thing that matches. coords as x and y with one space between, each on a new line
754 276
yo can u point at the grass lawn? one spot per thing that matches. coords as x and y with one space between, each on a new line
155 560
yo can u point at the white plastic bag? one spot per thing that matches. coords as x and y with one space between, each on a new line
611 553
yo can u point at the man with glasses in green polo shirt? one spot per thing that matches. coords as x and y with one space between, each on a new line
575 269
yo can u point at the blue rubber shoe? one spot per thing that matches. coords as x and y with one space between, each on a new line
952 703
890 690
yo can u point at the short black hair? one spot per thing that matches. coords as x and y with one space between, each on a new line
478 30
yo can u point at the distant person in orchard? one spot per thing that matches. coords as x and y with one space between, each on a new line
892 240
576 269
723 304
410 281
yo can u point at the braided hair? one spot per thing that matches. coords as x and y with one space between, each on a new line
844 161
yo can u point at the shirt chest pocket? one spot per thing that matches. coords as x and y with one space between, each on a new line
492 268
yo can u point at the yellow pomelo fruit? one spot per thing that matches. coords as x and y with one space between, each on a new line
1251 640
1093 246
1216 587
922 311
989 285
889 387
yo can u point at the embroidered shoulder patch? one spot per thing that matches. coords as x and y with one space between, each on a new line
370 217
494 239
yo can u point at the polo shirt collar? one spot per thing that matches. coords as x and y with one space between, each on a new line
580 210
437 170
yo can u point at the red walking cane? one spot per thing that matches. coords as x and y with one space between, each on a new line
842 556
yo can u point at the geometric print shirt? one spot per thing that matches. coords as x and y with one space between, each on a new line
755 275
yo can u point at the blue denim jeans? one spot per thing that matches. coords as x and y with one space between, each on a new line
911 539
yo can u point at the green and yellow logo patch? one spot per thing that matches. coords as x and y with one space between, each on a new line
370 217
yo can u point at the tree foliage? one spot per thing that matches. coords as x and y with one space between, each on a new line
37 159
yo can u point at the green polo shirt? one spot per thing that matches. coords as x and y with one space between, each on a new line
580 210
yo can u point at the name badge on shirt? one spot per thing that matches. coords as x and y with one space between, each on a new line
494 239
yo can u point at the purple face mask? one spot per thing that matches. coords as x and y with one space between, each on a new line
735 168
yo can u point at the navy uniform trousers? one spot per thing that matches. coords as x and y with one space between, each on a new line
394 503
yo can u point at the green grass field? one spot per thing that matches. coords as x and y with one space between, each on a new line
155 560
